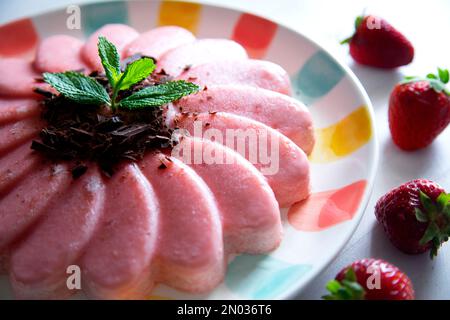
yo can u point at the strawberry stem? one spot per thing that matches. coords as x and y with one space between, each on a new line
347 40
358 21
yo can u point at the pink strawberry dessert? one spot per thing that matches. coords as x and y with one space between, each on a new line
99 164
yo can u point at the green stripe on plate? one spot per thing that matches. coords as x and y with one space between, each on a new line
317 77
262 276
96 15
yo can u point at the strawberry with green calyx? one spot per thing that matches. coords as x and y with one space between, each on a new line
378 44
419 110
415 216
370 279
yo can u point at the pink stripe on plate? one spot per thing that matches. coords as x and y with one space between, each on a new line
17 38
325 209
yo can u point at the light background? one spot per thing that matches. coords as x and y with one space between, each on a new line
427 25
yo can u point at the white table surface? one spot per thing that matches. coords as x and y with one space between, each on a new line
427 25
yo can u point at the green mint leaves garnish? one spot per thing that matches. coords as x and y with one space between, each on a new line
110 60
437 81
86 90
437 215
346 289
78 87
159 95
135 72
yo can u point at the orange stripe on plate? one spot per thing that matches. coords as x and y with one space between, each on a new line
342 138
17 38
323 210
255 34
183 14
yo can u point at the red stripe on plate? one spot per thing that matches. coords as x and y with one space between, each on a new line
17 38
255 34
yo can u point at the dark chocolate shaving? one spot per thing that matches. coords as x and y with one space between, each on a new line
79 170
187 67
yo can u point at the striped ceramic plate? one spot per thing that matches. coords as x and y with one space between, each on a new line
343 161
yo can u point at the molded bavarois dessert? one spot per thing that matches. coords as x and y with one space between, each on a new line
100 164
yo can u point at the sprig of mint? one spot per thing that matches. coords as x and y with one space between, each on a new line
78 87
86 90
134 72
110 59
437 81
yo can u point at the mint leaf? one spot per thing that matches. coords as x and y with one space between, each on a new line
77 87
86 90
110 60
135 72
159 95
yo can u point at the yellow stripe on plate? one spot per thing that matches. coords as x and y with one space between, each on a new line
183 14
342 138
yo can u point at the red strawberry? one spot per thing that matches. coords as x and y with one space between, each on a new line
419 110
415 216
370 279
378 44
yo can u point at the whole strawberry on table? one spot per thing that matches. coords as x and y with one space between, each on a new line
378 44
416 216
370 279
419 110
